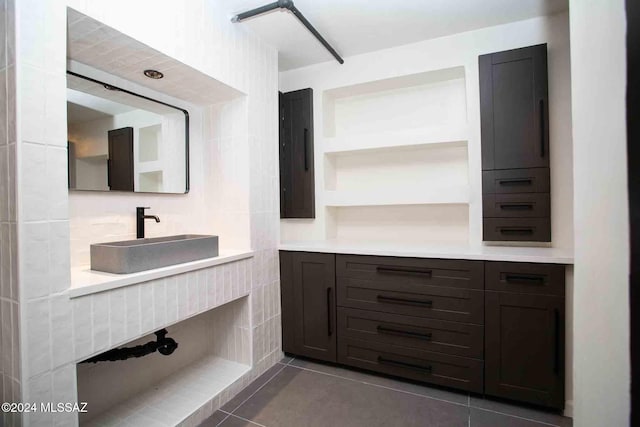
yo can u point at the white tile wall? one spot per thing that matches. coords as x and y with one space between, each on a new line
10 366
234 172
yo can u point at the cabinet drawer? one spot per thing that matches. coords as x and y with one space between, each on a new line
506 181
516 229
418 271
517 205
529 278
458 339
435 302
451 371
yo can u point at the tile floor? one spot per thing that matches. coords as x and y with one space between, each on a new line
302 393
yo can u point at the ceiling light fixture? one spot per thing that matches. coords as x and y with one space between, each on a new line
288 4
153 74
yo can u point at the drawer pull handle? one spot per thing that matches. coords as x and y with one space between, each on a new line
402 301
383 361
516 231
391 331
509 182
527 280
403 270
516 207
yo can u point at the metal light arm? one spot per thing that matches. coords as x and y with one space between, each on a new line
288 4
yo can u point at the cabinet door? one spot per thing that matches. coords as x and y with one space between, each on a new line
120 163
297 189
524 347
514 109
308 304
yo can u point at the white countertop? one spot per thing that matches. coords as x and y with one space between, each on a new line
434 250
85 281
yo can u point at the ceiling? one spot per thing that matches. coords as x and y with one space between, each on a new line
357 26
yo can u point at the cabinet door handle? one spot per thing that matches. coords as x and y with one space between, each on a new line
306 149
516 207
520 181
556 355
403 270
109 173
403 301
383 361
329 327
410 334
524 279
542 128
516 231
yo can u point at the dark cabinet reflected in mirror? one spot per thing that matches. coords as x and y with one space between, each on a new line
122 141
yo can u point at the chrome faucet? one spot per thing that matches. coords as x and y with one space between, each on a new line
140 217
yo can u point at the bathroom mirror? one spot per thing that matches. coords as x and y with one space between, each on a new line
122 141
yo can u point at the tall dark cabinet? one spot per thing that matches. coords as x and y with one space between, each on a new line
514 115
308 304
120 163
297 188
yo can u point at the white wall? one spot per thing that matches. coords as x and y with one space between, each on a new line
443 53
601 317
10 378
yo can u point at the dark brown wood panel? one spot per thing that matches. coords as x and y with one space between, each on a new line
435 302
297 187
445 370
458 339
524 348
514 109
120 163
530 278
521 205
308 304
417 271
518 181
517 229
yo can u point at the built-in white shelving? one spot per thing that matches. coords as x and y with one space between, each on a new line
450 136
426 196
396 158
188 390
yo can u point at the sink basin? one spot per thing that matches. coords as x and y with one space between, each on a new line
131 256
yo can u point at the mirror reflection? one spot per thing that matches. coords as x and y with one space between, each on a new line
121 141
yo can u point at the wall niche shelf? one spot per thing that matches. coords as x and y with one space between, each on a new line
453 136
396 159
435 196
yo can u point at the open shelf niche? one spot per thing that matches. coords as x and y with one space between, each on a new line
213 352
396 159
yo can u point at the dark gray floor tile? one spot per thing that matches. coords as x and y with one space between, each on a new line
521 411
286 359
237 422
214 419
480 418
231 405
436 393
297 397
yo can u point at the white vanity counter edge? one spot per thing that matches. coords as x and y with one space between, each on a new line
85 281
434 250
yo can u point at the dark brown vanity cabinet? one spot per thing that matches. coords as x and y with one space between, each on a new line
297 188
308 304
514 118
487 327
524 332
